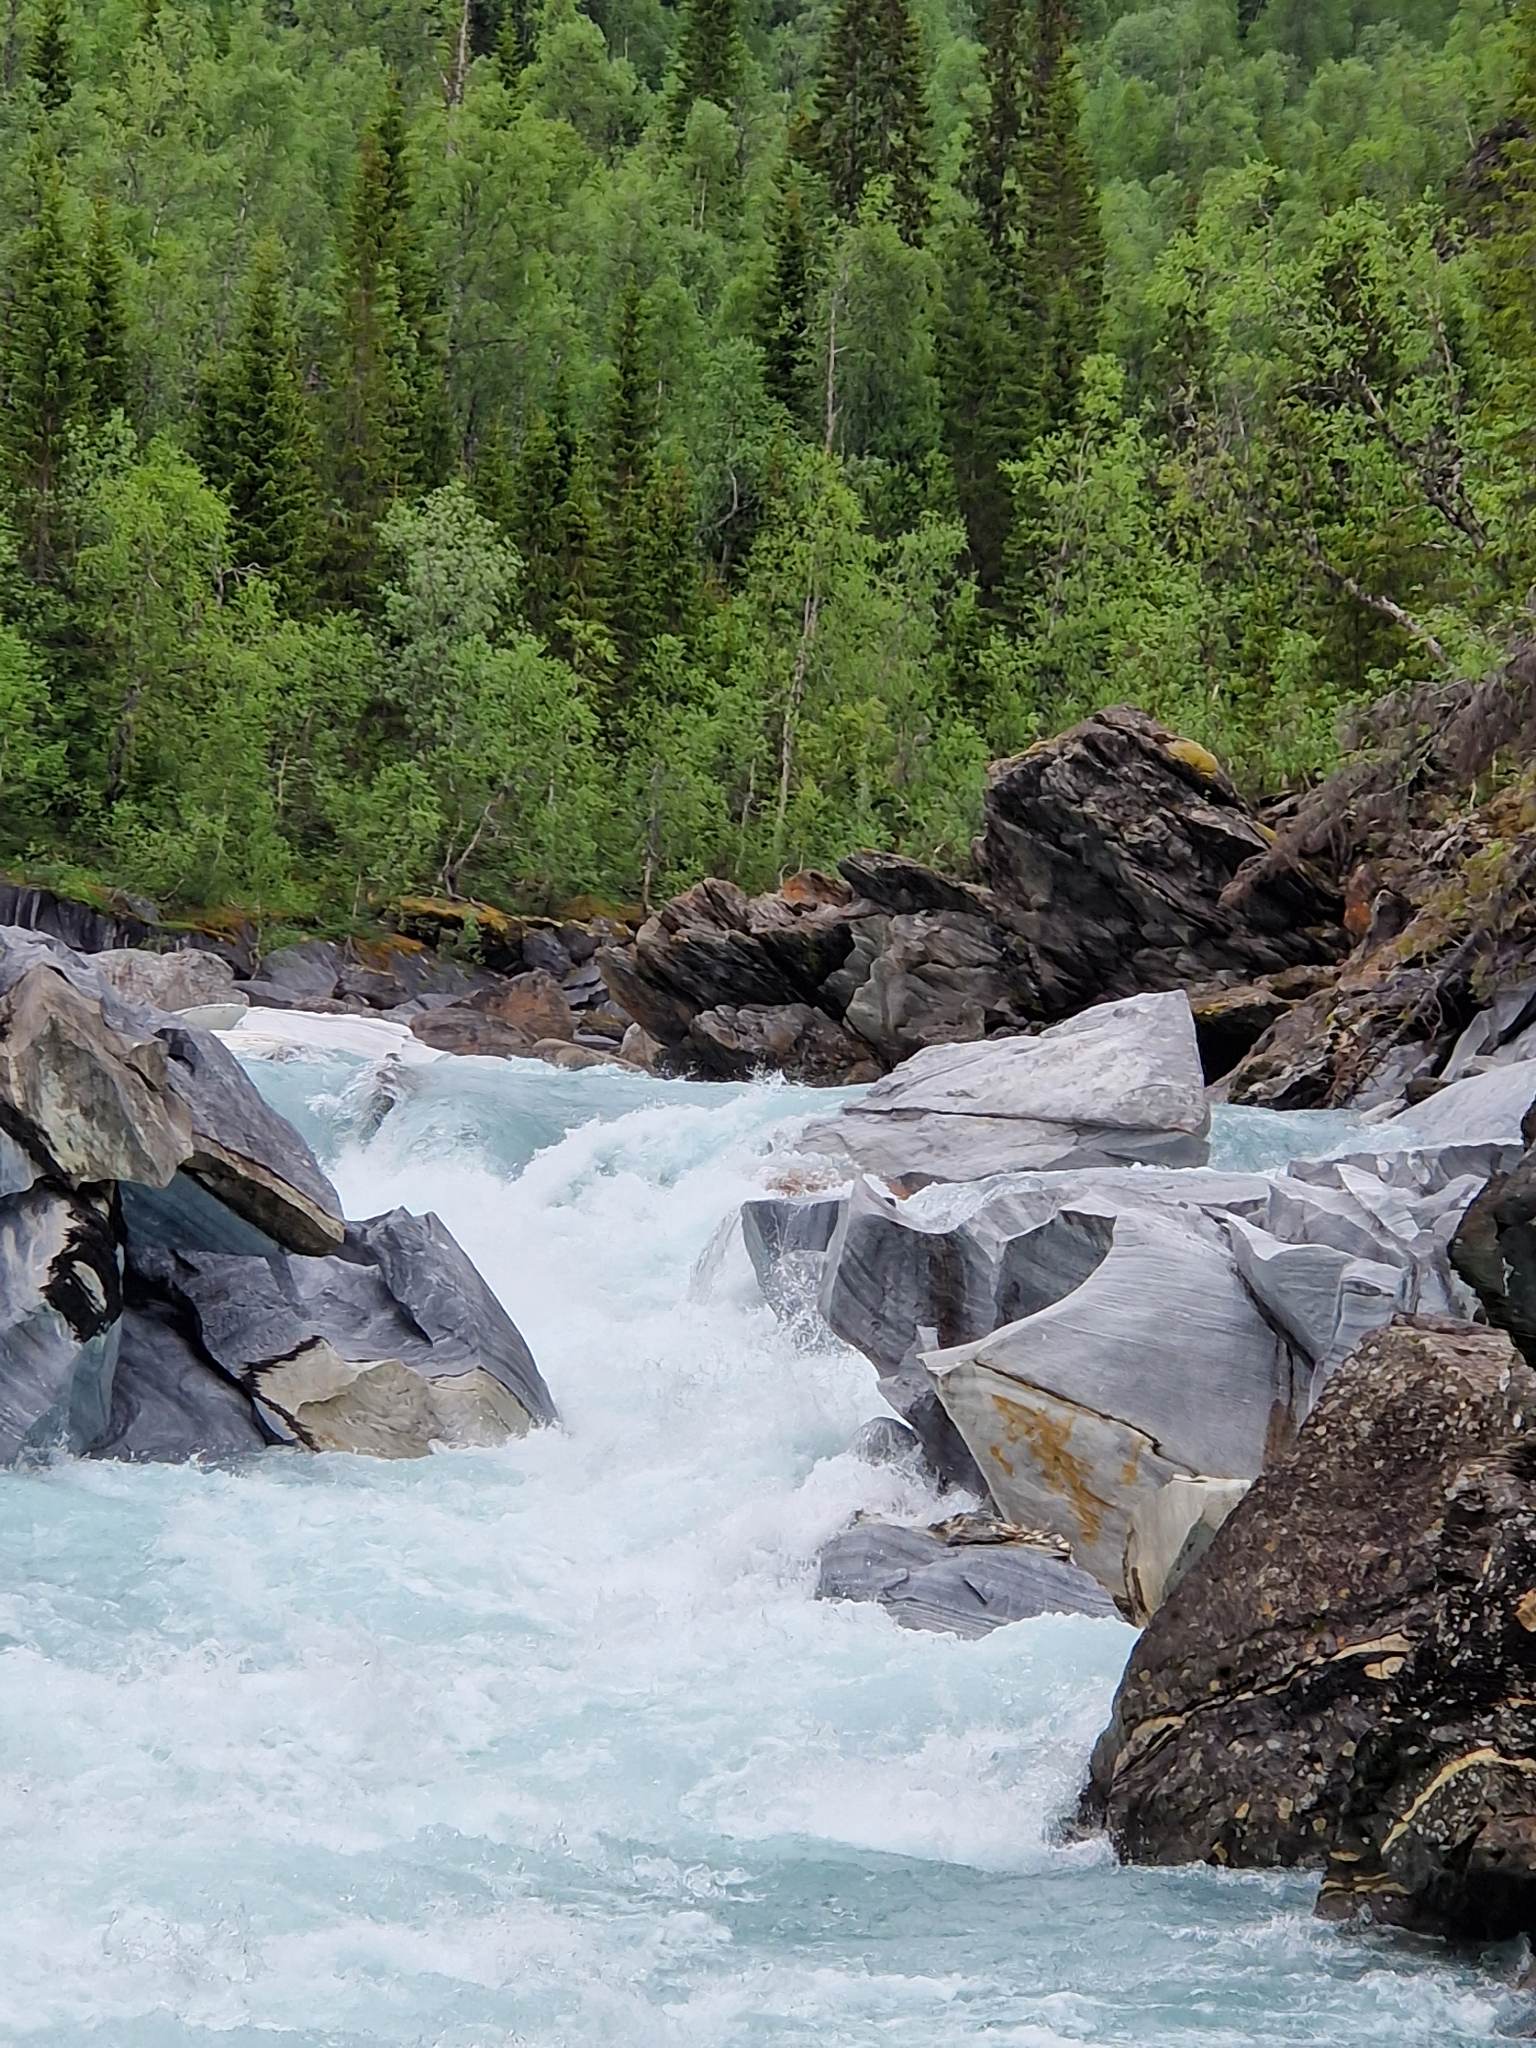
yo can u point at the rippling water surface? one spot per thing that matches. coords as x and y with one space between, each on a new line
550 1745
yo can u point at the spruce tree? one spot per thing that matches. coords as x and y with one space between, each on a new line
631 446
632 410
539 488
517 40
419 298
388 433
51 58
557 527
1503 214
45 372
1024 277
979 340
1060 254
784 325
492 482
105 337
257 441
870 120
581 634
991 172
711 60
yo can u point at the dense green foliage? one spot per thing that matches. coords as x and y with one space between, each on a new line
520 450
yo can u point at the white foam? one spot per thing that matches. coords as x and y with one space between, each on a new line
551 1745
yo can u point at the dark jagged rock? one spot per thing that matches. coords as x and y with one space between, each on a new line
1347 1671
1231 1017
1121 854
1441 980
1439 1832
1115 860
122 921
937 977
1494 1248
790 1039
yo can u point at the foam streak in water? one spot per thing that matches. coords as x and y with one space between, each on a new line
550 1744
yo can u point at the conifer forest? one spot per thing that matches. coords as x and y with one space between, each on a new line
537 451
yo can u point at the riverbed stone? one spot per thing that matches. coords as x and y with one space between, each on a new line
965 1577
1152 1362
1119 1083
393 1345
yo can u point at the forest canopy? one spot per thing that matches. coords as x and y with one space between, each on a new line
528 450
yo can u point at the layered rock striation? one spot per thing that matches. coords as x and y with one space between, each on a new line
176 1275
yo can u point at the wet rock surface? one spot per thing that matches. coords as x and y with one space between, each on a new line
965 1576
176 1278
1344 1676
1120 1083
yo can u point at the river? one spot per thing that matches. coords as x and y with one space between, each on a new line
551 1744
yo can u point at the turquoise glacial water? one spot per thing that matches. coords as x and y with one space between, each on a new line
550 1745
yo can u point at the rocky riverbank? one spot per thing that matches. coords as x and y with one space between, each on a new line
1278 1416
1344 950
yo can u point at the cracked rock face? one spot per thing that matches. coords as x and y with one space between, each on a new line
1347 1672
1077 1414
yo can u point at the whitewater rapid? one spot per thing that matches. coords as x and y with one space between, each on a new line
550 1745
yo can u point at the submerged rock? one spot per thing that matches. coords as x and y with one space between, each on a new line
1347 1674
1119 1083
963 1577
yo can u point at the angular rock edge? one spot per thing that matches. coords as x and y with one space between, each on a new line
176 1277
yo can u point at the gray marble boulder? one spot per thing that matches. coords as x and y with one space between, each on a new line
169 1404
1117 1084
1152 1362
388 1348
99 1089
186 979
786 1238
60 1298
952 1264
176 1278
965 1577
